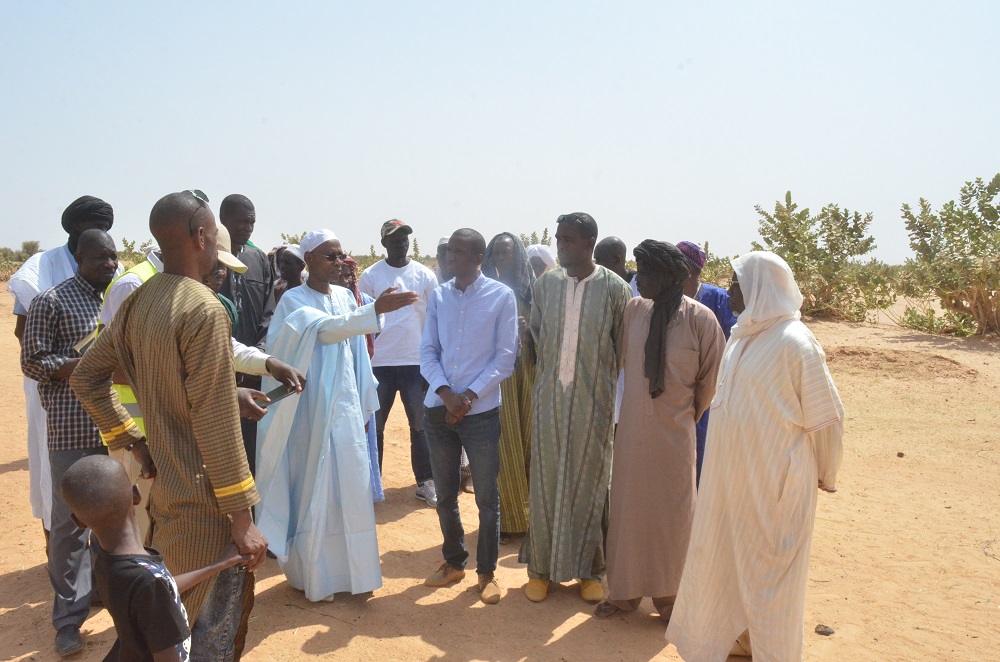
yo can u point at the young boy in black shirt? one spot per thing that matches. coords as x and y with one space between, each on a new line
139 592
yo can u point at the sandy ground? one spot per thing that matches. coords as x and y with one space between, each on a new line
905 559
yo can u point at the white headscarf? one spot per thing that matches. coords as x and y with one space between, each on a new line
770 296
769 292
314 239
543 253
295 250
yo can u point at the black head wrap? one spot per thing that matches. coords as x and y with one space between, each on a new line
666 259
86 208
523 277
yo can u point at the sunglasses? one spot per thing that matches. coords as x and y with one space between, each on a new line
333 257
202 200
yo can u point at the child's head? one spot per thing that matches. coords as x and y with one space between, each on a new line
99 492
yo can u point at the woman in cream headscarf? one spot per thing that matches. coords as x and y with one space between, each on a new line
776 427
541 259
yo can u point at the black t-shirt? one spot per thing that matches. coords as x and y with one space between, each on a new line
144 603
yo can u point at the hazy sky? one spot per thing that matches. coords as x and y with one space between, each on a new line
663 120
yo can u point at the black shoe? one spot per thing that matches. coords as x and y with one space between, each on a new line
68 641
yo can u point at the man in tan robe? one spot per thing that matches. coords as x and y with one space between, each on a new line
673 346
172 339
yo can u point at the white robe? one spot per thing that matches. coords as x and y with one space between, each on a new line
776 429
313 470
38 273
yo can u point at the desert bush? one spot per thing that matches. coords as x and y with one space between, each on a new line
824 252
11 259
130 255
922 316
7 269
717 270
957 255
293 238
533 238
28 248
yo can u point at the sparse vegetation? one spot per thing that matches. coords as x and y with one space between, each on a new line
130 256
824 252
293 238
957 259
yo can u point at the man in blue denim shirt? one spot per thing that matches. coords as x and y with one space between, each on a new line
469 346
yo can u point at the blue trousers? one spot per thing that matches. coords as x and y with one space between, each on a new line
213 635
408 382
479 435
701 432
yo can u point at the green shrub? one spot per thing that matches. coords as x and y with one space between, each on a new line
957 254
923 317
717 270
130 256
824 253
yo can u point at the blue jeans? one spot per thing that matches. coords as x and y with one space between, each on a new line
71 554
479 435
213 635
407 381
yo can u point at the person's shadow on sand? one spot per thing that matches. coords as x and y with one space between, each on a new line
452 619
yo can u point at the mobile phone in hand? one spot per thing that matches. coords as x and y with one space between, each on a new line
277 394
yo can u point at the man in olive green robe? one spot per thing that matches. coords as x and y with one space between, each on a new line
576 320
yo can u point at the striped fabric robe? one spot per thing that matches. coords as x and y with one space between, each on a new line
572 422
172 339
515 436
776 430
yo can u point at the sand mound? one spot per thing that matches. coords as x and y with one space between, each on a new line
898 363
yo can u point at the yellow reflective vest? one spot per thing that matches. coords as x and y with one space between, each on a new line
144 270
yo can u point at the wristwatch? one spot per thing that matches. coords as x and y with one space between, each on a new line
140 440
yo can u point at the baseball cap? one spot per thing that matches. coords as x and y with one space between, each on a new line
395 225
225 255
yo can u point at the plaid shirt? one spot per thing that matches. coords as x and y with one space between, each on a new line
58 319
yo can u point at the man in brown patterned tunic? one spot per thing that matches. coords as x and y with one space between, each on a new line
172 339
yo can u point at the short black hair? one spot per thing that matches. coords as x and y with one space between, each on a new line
234 203
97 488
612 245
94 240
586 223
477 240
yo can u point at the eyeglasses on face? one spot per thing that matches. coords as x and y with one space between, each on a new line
333 257
202 201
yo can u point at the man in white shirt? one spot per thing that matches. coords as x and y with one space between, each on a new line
396 362
38 273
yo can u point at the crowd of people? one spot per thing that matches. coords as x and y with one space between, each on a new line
215 404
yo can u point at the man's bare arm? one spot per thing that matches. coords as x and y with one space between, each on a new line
19 328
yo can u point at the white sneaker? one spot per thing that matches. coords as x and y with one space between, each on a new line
426 491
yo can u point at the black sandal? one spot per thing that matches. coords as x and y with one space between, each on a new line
606 610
